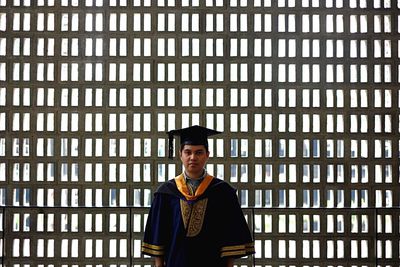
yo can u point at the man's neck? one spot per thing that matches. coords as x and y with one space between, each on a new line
195 176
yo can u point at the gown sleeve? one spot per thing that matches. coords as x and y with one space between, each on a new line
237 240
155 234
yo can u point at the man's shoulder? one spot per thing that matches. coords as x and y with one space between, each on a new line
222 186
169 187
217 185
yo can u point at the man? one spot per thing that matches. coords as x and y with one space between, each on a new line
195 219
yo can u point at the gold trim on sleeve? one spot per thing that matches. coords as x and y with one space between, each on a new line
153 250
239 250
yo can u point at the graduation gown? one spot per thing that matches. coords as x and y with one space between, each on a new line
200 230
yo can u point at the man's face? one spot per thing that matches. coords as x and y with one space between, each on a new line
194 158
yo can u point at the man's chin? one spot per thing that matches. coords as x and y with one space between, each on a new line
193 169
193 166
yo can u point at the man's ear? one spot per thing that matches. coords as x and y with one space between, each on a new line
181 152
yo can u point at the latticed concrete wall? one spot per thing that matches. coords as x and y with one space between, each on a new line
305 91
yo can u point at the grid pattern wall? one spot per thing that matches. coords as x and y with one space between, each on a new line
306 92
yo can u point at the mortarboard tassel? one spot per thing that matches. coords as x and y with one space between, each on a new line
170 145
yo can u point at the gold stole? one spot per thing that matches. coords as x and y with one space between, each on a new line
183 187
193 213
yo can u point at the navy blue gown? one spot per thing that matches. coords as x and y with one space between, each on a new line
201 232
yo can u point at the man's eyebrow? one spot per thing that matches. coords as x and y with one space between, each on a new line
194 150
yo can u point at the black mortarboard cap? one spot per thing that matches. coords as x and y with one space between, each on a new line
193 135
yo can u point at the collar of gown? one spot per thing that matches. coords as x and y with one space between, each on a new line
183 187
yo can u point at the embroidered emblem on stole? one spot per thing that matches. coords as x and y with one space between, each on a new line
193 216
